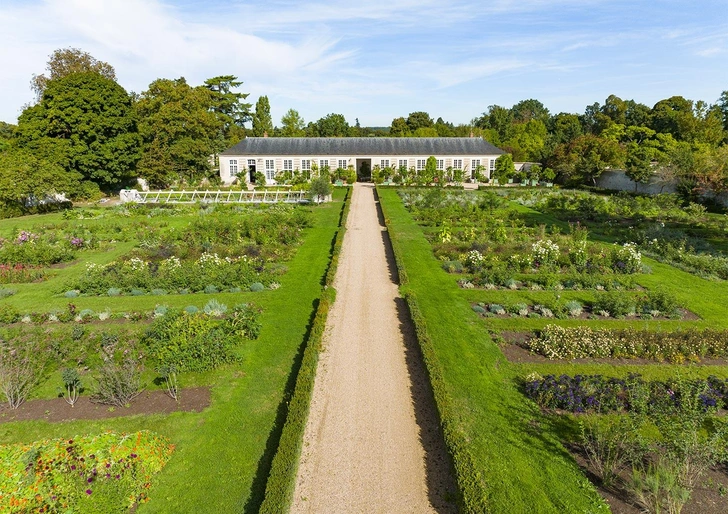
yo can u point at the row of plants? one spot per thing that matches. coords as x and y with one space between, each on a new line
556 342
109 472
21 273
657 302
136 276
658 450
49 248
176 341
502 279
680 255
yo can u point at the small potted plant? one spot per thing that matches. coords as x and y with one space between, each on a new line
549 175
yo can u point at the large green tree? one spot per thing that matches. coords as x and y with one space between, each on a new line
262 121
586 158
399 128
332 125
86 124
419 119
180 130
527 110
65 61
292 124
230 108
26 176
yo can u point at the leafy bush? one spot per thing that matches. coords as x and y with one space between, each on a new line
215 308
4 293
191 309
73 293
211 289
191 342
158 292
21 366
107 473
118 383
574 308
662 300
9 314
616 303
256 287
20 273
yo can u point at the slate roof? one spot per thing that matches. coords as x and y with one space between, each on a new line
351 146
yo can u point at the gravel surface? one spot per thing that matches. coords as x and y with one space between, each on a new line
372 442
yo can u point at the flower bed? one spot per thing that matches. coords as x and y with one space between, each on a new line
557 342
597 393
105 473
20 273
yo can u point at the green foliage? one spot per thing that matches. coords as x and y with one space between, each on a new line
504 168
332 125
84 123
320 188
292 124
65 61
106 473
262 121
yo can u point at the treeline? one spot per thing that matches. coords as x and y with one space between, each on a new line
85 134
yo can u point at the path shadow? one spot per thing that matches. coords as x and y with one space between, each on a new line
440 474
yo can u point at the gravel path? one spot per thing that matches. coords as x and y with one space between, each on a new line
372 442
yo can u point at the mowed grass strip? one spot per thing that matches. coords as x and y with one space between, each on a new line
507 459
223 454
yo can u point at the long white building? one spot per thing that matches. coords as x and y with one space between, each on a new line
271 155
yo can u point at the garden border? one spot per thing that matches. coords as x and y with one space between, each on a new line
284 468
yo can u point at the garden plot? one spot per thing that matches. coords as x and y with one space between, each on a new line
631 336
110 335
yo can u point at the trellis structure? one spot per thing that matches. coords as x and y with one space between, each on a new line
282 196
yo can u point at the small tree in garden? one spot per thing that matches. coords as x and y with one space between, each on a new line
504 168
534 172
168 372
480 173
320 189
20 368
259 178
549 175
71 385
428 174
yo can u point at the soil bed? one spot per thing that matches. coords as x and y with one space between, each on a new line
706 498
149 402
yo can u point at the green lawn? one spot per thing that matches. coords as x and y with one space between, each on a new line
223 454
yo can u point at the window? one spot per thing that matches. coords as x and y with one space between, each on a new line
251 164
270 169
305 164
233 167
323 163
343 163
384 163
457 164
421 163
440 164
474 164
287 164
403 163
492 166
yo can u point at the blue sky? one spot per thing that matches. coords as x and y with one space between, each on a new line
380 59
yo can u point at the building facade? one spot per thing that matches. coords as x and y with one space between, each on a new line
272 156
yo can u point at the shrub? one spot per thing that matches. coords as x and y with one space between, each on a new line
160 310
215 308
211 289
114 291
244 321
191 342
662 300
71 385
496 309
4 293
256 287
73 293
9 314
616 303
574 308
21 366
118 383
191 309
137 292
158 292
479 309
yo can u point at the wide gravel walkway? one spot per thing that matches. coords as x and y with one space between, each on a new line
372 443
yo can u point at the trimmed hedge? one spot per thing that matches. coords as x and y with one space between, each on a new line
282 479
471 484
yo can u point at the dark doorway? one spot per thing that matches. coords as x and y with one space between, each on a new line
364 170
251 173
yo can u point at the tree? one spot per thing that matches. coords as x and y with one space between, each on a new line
585 158
527 110
504 168
320 188
674 116
26 176
638 164
333 125
292 124
65 61
262 121
444 129
230 108
722 105
419 119
500 120
399 128
425 132
7 134
86 124
180 131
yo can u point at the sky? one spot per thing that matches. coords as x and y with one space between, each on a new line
377 60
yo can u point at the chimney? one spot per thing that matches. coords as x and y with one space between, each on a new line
265 134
